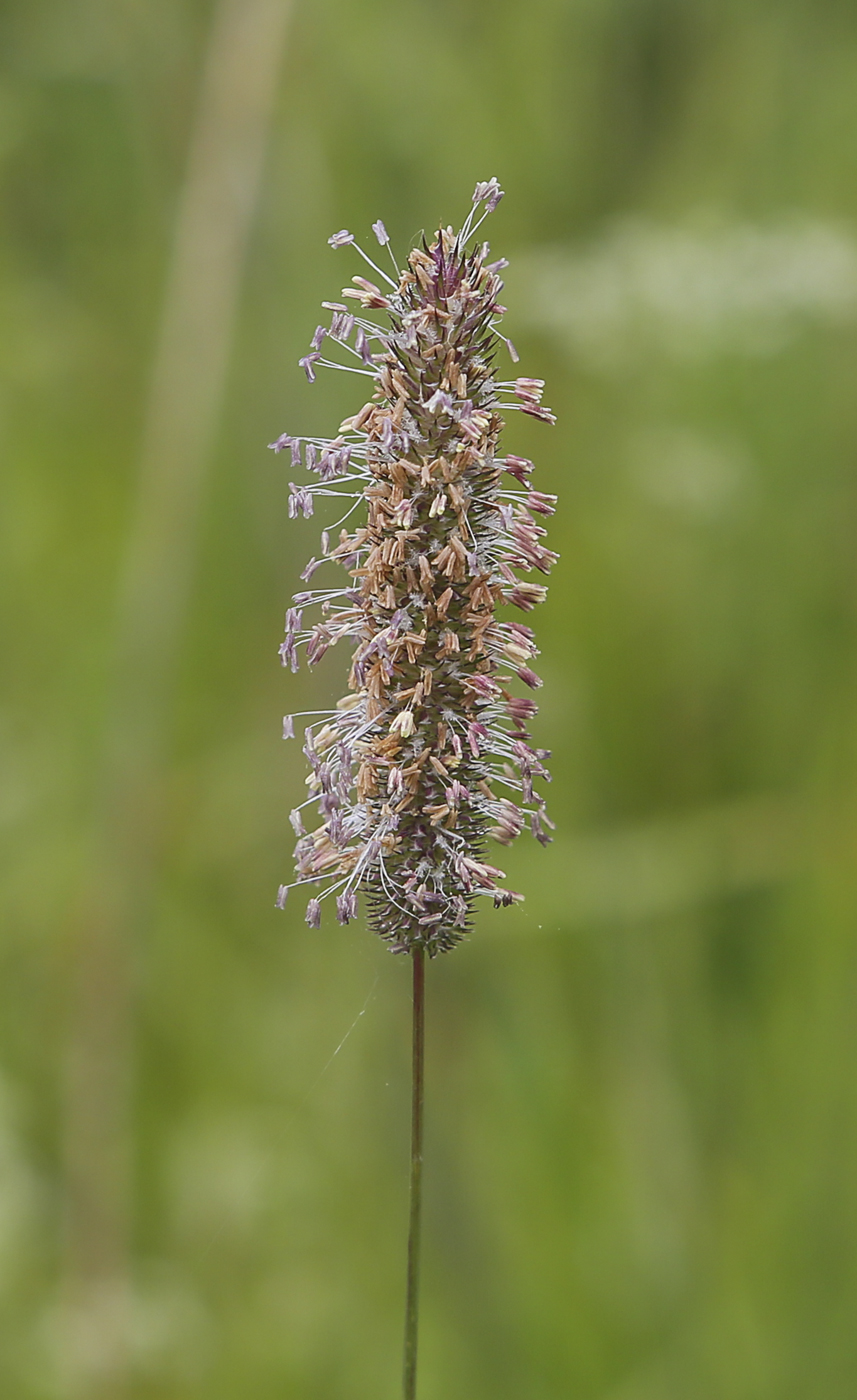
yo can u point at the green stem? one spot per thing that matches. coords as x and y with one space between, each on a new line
412 1306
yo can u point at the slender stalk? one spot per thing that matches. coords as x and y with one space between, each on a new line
215 212
412 1305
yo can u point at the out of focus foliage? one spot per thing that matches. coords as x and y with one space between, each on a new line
643 1082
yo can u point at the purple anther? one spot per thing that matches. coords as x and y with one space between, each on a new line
490 192
306 363
346 907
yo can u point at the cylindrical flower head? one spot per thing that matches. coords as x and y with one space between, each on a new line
406 769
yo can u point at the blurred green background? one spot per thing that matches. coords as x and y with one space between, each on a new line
642 1111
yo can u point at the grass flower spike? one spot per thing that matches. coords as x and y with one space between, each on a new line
429 753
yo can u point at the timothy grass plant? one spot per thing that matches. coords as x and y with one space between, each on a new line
428 754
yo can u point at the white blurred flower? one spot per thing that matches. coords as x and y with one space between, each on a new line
692 291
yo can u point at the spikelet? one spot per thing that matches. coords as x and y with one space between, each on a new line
405 771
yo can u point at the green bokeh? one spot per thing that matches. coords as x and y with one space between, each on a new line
642 1113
